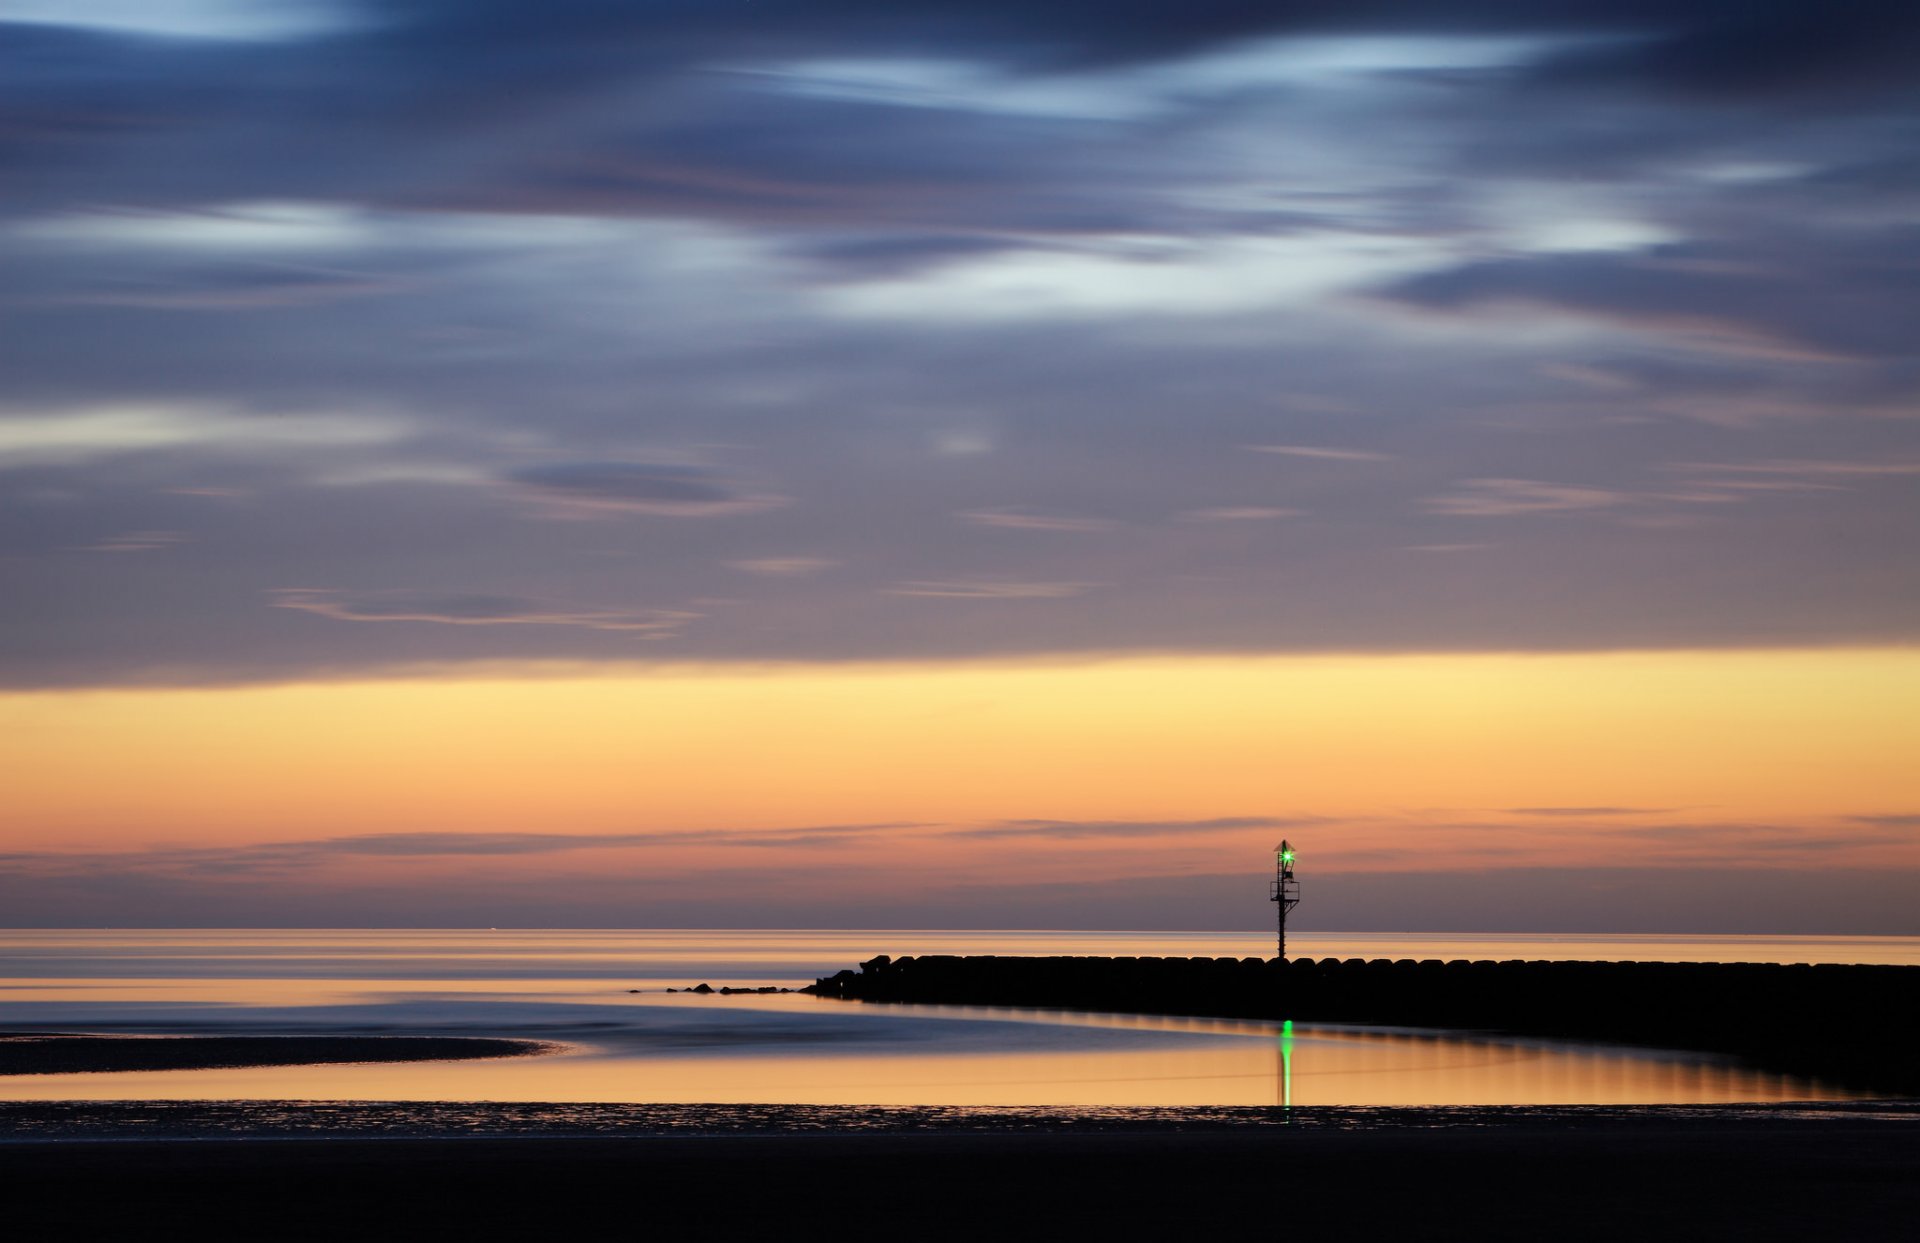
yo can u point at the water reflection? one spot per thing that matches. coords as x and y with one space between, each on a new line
1286 1064
978 1060
654 1047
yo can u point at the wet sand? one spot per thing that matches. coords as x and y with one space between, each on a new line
62 1054
1780 1173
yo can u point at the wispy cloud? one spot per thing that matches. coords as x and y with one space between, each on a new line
989 589
782 567
1694 484
249 288
428 844
473 610
1586 811
1499 498
1238 513
1014 519
1900 820
278 856
1799 472
137 541
112 430
1742 842
1069 830
599 488
1325 453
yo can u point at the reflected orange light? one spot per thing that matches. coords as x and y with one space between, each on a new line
1331 1067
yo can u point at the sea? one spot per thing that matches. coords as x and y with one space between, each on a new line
614 1006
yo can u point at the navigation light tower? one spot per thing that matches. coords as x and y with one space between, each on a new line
1286 890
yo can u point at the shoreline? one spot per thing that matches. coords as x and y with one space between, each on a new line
164 1121
65 1053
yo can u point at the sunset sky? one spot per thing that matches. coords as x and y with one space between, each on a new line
959 463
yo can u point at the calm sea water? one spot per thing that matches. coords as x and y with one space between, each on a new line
602 994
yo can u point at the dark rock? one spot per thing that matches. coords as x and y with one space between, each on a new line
1734 1008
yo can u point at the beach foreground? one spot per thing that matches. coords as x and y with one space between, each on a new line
1749 1173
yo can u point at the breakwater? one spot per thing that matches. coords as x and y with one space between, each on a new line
1850 1024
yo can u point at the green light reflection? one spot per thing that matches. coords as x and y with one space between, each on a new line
1286 1064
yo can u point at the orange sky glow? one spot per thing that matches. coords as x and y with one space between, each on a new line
869 779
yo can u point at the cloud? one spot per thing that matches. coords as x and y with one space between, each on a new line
433 844
1909 820
138 541
883 256
1791 51
218 234
473 610
236 289
1015 519
292 855
782 567
1700 484
204 19
1238 513
1215 271
1499 498
1799 472
1047 265
1068 830
1495 899
989 589
1586 811
712 144
1324 453
1739 844
90 432
598 488
1808 297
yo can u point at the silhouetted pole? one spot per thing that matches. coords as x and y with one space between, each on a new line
1286 890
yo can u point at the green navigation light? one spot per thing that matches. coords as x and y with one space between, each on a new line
1286 856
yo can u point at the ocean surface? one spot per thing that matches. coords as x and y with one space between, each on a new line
602 995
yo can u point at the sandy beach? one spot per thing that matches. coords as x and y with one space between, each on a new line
63 1054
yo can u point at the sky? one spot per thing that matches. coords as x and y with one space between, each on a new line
840 463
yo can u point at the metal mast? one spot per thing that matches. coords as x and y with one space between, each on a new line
1285 890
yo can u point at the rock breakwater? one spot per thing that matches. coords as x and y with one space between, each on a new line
1849 1024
